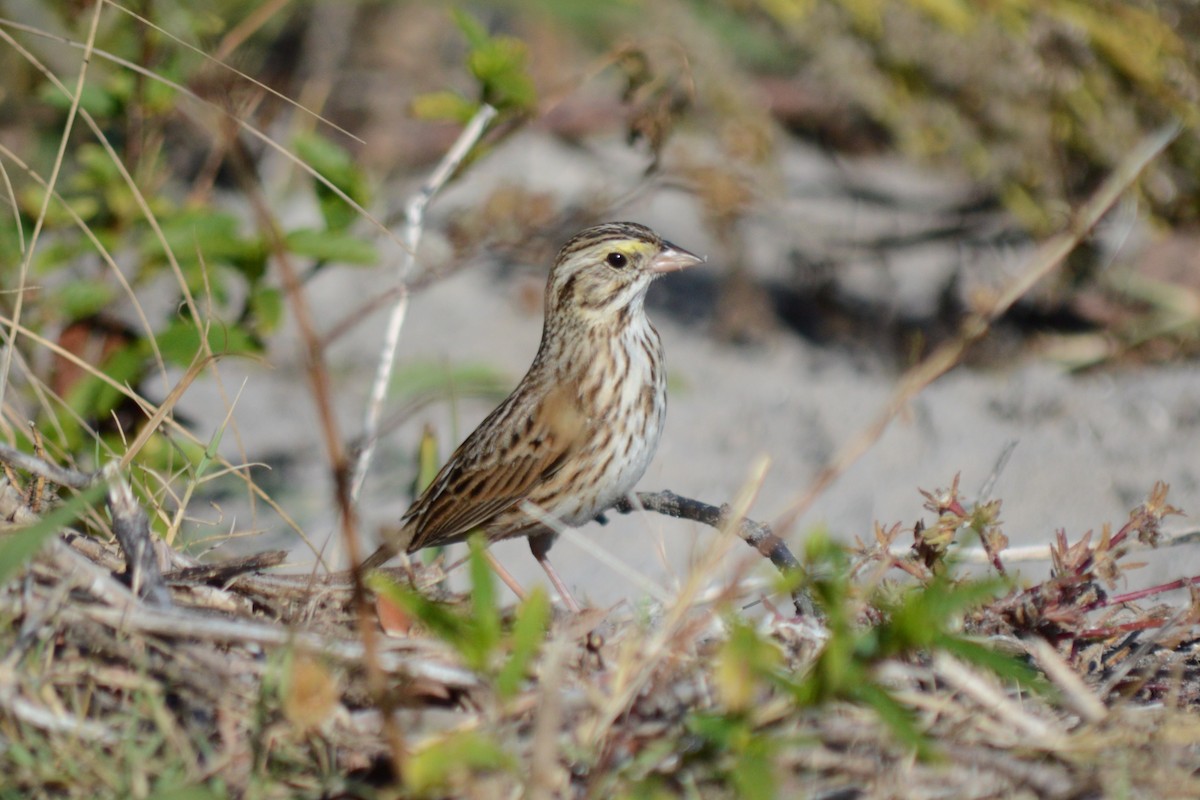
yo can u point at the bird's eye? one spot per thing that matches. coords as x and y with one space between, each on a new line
617 260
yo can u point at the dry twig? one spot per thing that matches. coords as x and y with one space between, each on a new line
414 226
129 521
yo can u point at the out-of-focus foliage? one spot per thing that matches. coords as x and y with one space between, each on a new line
479 636
1038 100
498 64
137 265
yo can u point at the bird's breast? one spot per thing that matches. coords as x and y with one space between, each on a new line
622 395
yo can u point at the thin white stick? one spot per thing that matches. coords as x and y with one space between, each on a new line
1075 693
1041 552
414 223
46 720
992 699
177 622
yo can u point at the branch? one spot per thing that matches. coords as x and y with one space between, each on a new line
756 534
131 526
63 476
129 522
414 225
226 571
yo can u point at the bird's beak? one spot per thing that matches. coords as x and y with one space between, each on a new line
673 257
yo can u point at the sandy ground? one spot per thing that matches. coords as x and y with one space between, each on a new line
1087 449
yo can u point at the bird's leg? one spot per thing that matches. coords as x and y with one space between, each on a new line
504 575
540 546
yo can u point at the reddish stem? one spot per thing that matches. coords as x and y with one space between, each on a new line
1127 627
1121 534
910 568
1129 597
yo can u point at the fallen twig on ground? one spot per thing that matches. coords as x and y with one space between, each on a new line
130 524
633 695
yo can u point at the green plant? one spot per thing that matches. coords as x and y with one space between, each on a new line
501 655
123 222
478 634
498 65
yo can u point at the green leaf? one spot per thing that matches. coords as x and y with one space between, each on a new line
17 548
742 663
342 248
98 168
93 397
528 633
335 165
514 92
423 378
96 100
180 342
955 15
496 59
331 161
266 309
721 730
177 791
443 107
1004 666
436 617
30 200
427 461
753 775
925 612
20 755
500 66
158 97
78 299
498 63
209 454
472 29
169 455
197 235
486 615
896 717
452 760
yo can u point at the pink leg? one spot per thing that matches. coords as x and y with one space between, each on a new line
540 547
504 575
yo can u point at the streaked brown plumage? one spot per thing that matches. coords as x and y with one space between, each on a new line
582 425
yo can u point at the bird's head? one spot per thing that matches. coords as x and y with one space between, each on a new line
603 272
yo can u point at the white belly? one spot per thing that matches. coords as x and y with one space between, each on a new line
625 457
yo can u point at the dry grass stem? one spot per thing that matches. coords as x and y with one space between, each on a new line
47 198
414 225
1075 692
592 704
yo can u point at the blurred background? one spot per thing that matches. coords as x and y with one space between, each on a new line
861 174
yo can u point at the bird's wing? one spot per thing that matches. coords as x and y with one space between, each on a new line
496 469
